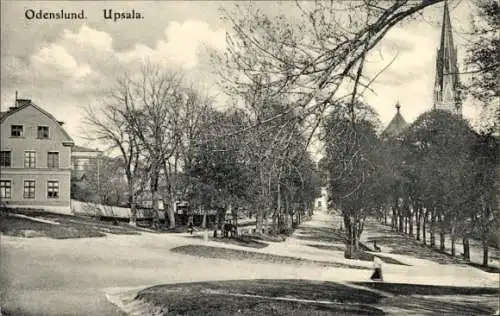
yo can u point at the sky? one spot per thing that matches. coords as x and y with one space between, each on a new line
64 66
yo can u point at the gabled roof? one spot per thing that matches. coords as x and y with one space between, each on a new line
396 125
24 103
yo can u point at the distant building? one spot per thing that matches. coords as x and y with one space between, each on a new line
85 173
84 162
446 87
145 200
396 126
35 159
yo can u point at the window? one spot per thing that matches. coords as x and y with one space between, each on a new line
29 189
16 130
29 159
5 160
5 189
53 189
43 132
53 160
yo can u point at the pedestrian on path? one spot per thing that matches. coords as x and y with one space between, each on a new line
377 267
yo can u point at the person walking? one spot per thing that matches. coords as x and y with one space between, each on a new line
377 267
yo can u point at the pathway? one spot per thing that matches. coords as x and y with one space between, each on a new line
42 276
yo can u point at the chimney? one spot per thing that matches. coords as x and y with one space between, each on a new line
15 104
22 102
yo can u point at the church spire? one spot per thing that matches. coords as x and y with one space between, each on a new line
446 84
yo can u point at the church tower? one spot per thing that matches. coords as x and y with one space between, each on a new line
396 126
446 94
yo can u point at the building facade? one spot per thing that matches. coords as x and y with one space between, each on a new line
35 159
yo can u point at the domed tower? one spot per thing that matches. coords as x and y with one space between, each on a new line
396 125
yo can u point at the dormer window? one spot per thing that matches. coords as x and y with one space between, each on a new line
43 132
16 130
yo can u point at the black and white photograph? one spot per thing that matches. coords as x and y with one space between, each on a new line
265 157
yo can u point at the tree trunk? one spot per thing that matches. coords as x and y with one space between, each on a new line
234 214
275 221
278 202
418 221
485 250
394 219
287 210
171 210
266 221
424 228
260 211
155 198
441 233
401 221
360 228
352 244
132 204
410 222
465 241
453 237
453 245
348 237
259 219
442 241
204 220
433 230
217 222
385 216
355 239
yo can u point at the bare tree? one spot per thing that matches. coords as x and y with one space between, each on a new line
309 54
151 99
191 110
109 125
267 147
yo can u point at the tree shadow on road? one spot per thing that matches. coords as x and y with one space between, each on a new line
398 243
430 306
362 255
437 300
320 234
393 242
258 257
